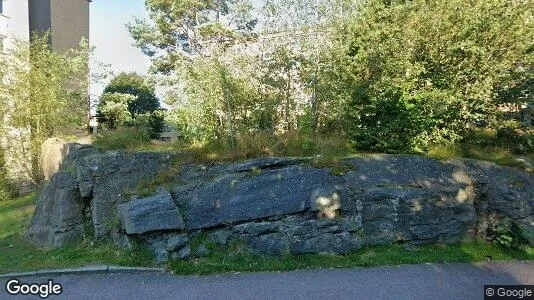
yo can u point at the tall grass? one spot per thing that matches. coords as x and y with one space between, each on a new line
266 144
489 145
483 145
125 138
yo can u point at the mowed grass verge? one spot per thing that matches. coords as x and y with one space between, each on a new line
17 254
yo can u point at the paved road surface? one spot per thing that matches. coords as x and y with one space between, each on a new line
456 281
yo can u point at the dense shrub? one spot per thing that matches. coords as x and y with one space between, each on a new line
512 135
130 100
503 232
153 123
44 96
419 73
113 110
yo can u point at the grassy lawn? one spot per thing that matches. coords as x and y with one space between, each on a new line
17 254
368 257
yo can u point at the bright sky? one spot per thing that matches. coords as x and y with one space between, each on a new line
112 42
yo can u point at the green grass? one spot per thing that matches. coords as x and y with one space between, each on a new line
17 254
127 138
222 261
245 146
499 156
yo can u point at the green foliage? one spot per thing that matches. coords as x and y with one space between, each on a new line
419 73
503 232
130 100
153 123
156 123
392 76
113 109
220 103
512 135
7 188
45 93
181 28
136 85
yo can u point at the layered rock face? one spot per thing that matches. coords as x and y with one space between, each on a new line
281 205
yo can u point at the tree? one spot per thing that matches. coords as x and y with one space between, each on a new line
183 35
417 73
113 109
179 29
44 93
136 85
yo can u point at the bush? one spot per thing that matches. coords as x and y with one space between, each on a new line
512 135
113 110
503 232
153 123
156 123
412 74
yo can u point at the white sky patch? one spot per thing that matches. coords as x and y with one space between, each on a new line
112 41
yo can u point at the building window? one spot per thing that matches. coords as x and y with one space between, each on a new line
1 6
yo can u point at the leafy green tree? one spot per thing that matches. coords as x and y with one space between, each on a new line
113 109
136 85
416 73
152 123
44 93
181 29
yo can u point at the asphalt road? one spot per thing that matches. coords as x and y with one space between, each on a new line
456 281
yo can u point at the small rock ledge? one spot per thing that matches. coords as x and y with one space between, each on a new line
279 205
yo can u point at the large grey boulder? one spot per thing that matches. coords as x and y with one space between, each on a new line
507 191
111 176
264 163
331 243
58 217
411 214
151 214
177 242
280 205
241 197
270 244
380 170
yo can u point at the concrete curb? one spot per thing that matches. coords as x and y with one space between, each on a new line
100 269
